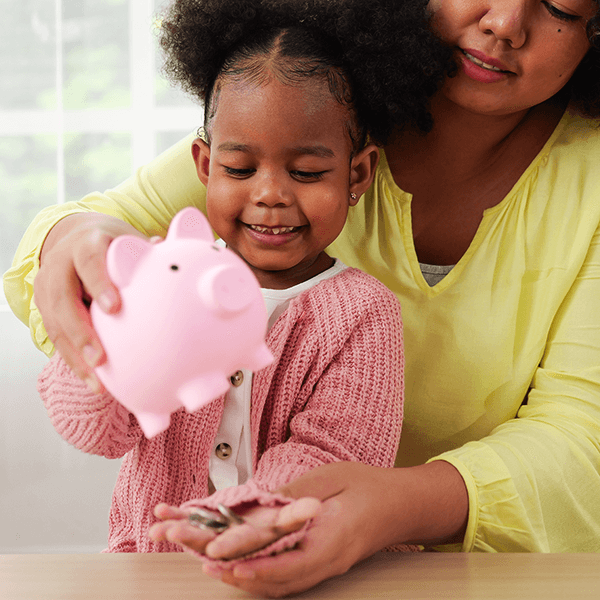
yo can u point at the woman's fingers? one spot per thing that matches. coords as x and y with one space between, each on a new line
323 553
262 527
240 540
322 482
174 527
89 261
59 298
72 273
293 516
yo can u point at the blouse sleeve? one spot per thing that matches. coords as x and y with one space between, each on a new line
534 482
148 201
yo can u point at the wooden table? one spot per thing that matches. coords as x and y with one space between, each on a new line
386 575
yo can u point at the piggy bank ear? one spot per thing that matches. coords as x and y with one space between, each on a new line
190 223
226 289
124 253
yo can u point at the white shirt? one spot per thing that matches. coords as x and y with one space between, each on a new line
234 429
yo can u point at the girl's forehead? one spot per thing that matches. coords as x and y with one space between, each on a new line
281 115
306 99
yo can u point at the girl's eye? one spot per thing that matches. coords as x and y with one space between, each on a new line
559 14
240 173
308 175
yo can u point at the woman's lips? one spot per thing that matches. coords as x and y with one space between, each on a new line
484 71
487 62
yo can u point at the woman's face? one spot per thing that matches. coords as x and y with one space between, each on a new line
512 54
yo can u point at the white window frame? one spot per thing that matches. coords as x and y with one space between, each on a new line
142 119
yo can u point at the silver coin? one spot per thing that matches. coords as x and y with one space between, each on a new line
231 516
208 520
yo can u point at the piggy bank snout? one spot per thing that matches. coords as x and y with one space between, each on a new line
225 289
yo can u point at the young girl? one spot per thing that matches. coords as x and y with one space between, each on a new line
283 155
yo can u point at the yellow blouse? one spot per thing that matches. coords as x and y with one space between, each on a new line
502 356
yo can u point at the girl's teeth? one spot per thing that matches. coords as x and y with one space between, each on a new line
273 230
481 63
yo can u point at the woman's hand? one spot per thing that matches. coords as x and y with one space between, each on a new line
364 509
72 274
262 526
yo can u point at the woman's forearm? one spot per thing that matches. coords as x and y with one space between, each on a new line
431 500
426 504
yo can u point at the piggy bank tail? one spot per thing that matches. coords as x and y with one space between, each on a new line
201 390
259 359
152 423
208 387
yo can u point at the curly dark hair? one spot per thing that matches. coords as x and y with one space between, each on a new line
378 57
584 86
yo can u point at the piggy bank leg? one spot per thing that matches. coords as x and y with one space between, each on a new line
260 359
152 423
200 391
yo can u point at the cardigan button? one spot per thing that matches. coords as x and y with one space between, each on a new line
237 378
223 451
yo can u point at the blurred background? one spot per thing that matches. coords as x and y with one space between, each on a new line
82 104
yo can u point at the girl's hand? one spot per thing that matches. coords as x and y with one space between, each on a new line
72 273
262 527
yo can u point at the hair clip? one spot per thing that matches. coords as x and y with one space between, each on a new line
201 133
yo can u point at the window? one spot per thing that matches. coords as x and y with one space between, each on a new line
82 104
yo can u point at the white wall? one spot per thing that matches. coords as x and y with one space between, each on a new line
53 498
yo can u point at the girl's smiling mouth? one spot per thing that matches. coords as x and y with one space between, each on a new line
273 230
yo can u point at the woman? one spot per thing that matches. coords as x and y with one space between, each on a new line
485 228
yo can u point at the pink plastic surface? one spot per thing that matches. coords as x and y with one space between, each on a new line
192 315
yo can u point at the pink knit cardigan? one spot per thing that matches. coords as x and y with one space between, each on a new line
334 393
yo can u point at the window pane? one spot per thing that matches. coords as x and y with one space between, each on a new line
95 161
166 139
170 95
165 93
28 182
27 48
96 54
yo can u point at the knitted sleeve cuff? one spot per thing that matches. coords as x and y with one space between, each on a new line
244 497
93 423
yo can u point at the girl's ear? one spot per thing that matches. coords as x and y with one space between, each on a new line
362 171
201 154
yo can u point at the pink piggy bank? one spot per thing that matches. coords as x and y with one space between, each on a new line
192 315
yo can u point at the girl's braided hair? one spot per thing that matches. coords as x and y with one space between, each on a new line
378 57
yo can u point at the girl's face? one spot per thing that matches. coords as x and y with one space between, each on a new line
279 176
512 54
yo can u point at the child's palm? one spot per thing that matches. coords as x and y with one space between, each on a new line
262 527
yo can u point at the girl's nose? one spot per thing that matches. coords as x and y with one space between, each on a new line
271 191
507 20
